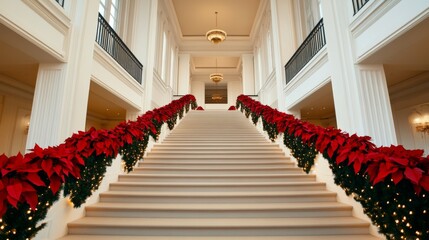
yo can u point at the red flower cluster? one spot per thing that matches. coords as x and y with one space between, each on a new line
21 175
382 163
232 108
200 108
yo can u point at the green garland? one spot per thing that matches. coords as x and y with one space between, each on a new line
132 153
91 176
380 207
303 153
22 221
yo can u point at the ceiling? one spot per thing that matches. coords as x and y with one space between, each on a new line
196 17
319 105
406 56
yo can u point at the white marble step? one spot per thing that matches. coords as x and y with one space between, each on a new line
135 177
124 237
218 226
218 169
215 187
237 210
313 196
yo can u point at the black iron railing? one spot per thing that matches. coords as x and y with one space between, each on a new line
110 41
310 47
358 4
60 2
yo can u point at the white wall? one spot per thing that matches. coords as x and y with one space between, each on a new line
107 73
393 18
15 110
53 24
198 90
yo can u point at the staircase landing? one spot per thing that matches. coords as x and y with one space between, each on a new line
216 177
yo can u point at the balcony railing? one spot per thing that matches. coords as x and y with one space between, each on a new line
110 41
358 4
308 49
60 2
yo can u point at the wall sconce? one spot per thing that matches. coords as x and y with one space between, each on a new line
26 121
422 125
420 119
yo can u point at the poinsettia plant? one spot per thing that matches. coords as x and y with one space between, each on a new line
385 180
30 183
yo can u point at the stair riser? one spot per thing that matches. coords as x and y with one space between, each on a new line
130 178
217 158
278 213
216 150
223 171
209 166
265 145
114 187
212 161
149 162
223 199
215 154
220 231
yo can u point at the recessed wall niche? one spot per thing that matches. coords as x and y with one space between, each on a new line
216 94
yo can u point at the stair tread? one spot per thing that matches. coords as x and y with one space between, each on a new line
220 222
224 206
226 184
220 194
326 237
274 175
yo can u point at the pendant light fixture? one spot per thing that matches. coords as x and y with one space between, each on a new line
216 35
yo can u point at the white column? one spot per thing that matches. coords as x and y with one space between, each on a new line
151 51
280 76
376 108
199 91
61 100
248 74
361 98
184 74
48 113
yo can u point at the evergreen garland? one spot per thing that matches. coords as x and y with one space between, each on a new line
132 153
303 153
22 222
91 176
270 128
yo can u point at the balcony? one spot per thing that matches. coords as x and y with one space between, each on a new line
358 4
308 49
109 40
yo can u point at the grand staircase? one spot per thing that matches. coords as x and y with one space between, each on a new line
216 177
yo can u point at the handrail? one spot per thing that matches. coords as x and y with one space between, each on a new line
391 183
358 5
30 184
306 51
109 40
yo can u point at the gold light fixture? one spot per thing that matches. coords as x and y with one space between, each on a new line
216 96
216 77
420 119
216 35
421 125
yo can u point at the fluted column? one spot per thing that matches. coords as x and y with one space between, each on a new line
376 109
361 99
46 122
